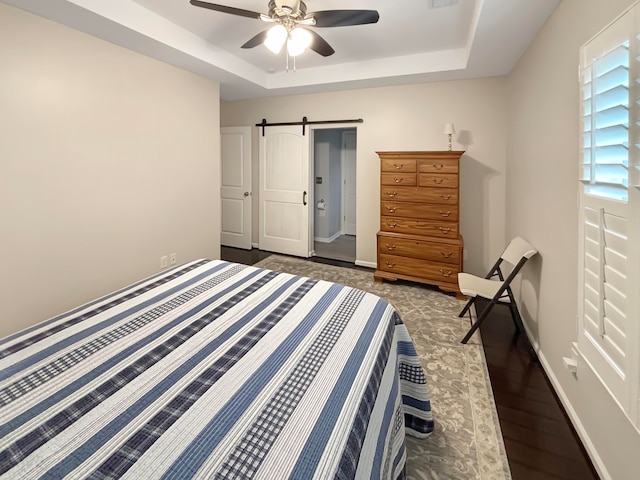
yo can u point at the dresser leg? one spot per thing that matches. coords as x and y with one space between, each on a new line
459 295
380 277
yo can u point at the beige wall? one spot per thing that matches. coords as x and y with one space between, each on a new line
541 205
108 160
409 118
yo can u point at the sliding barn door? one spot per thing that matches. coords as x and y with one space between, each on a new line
284 190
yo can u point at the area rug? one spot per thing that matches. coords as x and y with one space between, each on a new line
467 442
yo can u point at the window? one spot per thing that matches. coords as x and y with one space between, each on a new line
609 228
605 150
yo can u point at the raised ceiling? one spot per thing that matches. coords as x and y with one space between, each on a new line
414 41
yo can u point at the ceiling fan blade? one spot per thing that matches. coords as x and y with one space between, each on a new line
320 45
344 18
257 40
224 9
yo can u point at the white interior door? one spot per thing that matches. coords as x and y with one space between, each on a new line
284 191
349 183
235 191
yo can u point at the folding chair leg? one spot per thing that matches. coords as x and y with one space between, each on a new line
467 307
517 322
518 318
483 316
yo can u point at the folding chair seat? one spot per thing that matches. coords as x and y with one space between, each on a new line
495 287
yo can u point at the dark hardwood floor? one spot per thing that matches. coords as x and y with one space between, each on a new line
538 436
540 441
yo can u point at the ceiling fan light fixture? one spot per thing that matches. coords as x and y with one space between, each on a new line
276 36
299 40
289 19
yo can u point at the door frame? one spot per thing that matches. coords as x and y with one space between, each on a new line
343 167
312 129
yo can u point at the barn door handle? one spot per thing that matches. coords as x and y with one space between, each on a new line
304 198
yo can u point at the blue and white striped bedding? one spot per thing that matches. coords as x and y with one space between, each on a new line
214 370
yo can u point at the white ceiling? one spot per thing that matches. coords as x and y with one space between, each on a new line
414 40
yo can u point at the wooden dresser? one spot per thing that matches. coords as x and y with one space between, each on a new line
419 238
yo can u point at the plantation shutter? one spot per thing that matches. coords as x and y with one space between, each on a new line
609 253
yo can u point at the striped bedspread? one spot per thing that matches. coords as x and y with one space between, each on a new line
214 370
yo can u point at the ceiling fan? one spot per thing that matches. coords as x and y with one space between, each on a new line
290 21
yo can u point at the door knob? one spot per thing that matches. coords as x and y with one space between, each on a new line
246 194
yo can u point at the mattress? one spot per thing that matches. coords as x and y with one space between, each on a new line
214 370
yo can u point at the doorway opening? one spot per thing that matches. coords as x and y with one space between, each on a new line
334 193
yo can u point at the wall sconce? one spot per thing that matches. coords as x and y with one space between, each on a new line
449 130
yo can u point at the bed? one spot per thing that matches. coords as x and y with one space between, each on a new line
214 370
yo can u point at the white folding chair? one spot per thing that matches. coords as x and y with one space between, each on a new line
496 290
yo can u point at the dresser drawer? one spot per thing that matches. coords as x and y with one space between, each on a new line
425 250
420 210
443 165
439 180
432 228
444 196
407 179
398 165
426 269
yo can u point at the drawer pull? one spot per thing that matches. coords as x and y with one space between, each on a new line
445 214
392 194
397 180
392 225
437 180
445 197
444 229
438 167
390 247
398 167
390 265
445 273
391 209
446 254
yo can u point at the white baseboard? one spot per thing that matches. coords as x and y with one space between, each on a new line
255 245
362 263
573 416
327 240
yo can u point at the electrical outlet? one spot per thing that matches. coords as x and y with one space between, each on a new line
173 259
164 261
